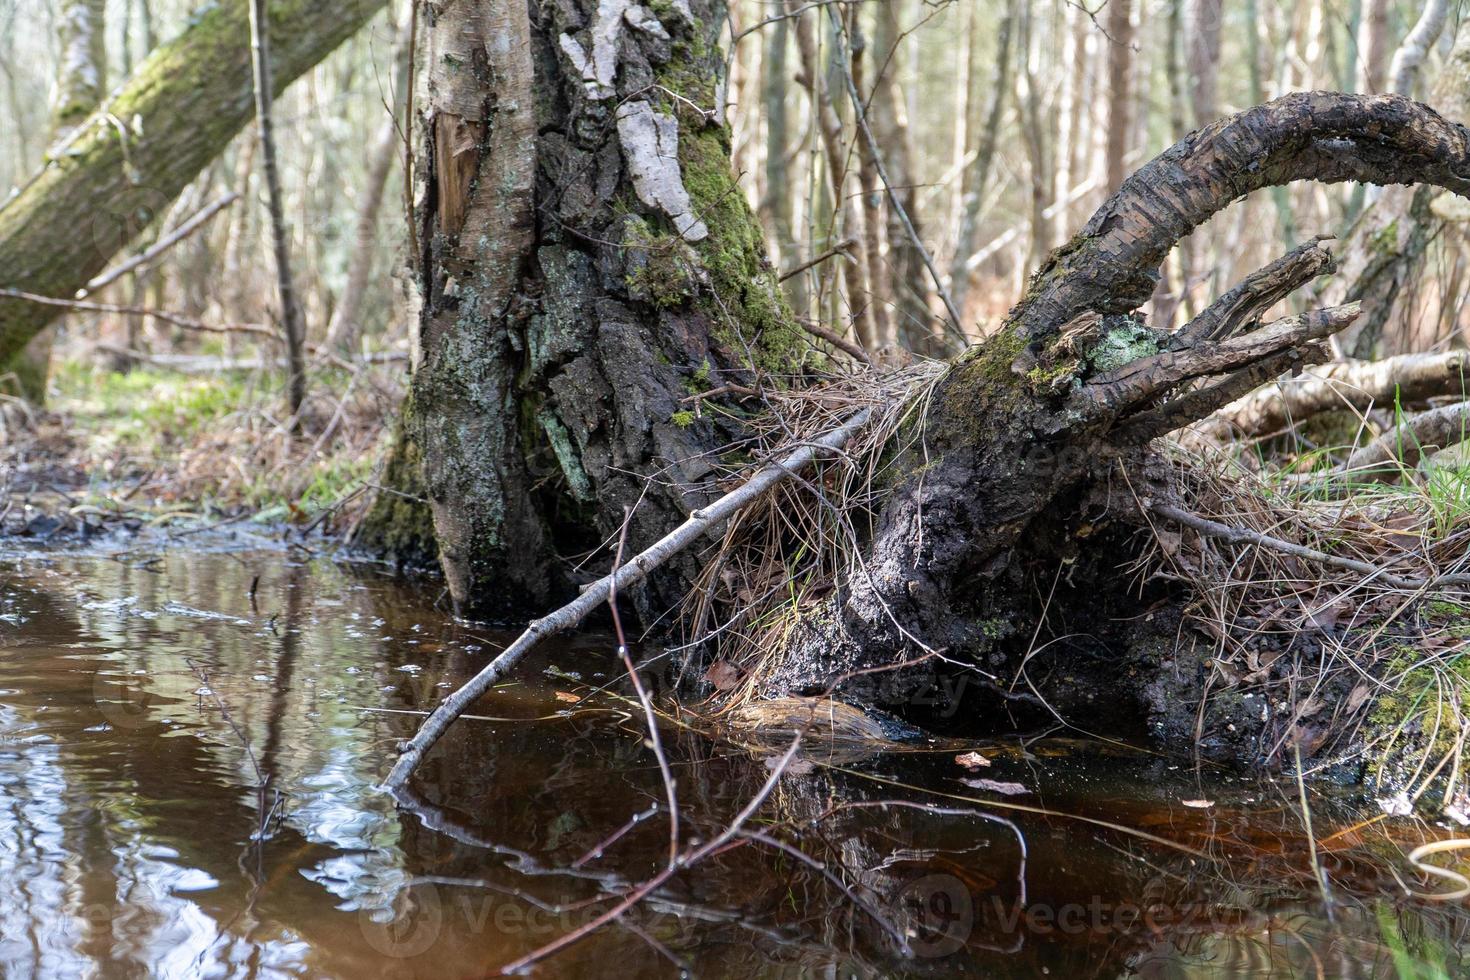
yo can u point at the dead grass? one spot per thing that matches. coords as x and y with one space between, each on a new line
1351 662
780 558
156 445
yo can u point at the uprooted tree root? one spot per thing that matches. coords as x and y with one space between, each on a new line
1332 626
971 519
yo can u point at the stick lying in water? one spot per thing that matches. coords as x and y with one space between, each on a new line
631 573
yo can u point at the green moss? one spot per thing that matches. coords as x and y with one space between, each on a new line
400 526
740 292
1123 343
683 419
1419 720
662 268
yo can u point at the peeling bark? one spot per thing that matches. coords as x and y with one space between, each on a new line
1355 386
589 266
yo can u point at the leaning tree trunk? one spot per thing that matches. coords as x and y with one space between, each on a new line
123 165
591 280
1023 437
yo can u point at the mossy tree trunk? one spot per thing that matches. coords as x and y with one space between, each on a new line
588 265
123 165
1033 451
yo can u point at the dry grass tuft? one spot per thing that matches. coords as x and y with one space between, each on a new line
781 557
1349 661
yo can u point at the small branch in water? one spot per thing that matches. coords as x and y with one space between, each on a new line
643 698
687 860
699 523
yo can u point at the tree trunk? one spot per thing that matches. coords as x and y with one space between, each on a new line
1017 469
1373 47
975 181
591 278
344 330
912 286
262 73
845 220
190 97
1204 59
1120 90
1386 247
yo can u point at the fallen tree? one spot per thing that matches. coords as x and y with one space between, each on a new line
1026 438
1029 459
1356 386
121 167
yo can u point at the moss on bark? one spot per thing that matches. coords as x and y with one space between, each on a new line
124 165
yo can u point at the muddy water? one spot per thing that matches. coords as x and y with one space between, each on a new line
189 743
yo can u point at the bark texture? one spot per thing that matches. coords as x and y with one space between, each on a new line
589 269
122 166
1015 467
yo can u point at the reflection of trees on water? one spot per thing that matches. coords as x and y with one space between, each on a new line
157 800
128 806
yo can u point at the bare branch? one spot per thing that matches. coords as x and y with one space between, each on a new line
636 570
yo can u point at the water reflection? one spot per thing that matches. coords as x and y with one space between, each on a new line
186 789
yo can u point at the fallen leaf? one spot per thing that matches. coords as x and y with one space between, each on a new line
568 697
996 786
1199 804
1396 806
723 675
1358 696
972 760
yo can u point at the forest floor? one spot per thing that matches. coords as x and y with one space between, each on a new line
156 447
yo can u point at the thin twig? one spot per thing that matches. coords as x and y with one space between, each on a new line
1240 535
650 716
183 231
699 523
688 860
176 319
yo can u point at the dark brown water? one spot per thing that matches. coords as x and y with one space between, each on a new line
187 789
